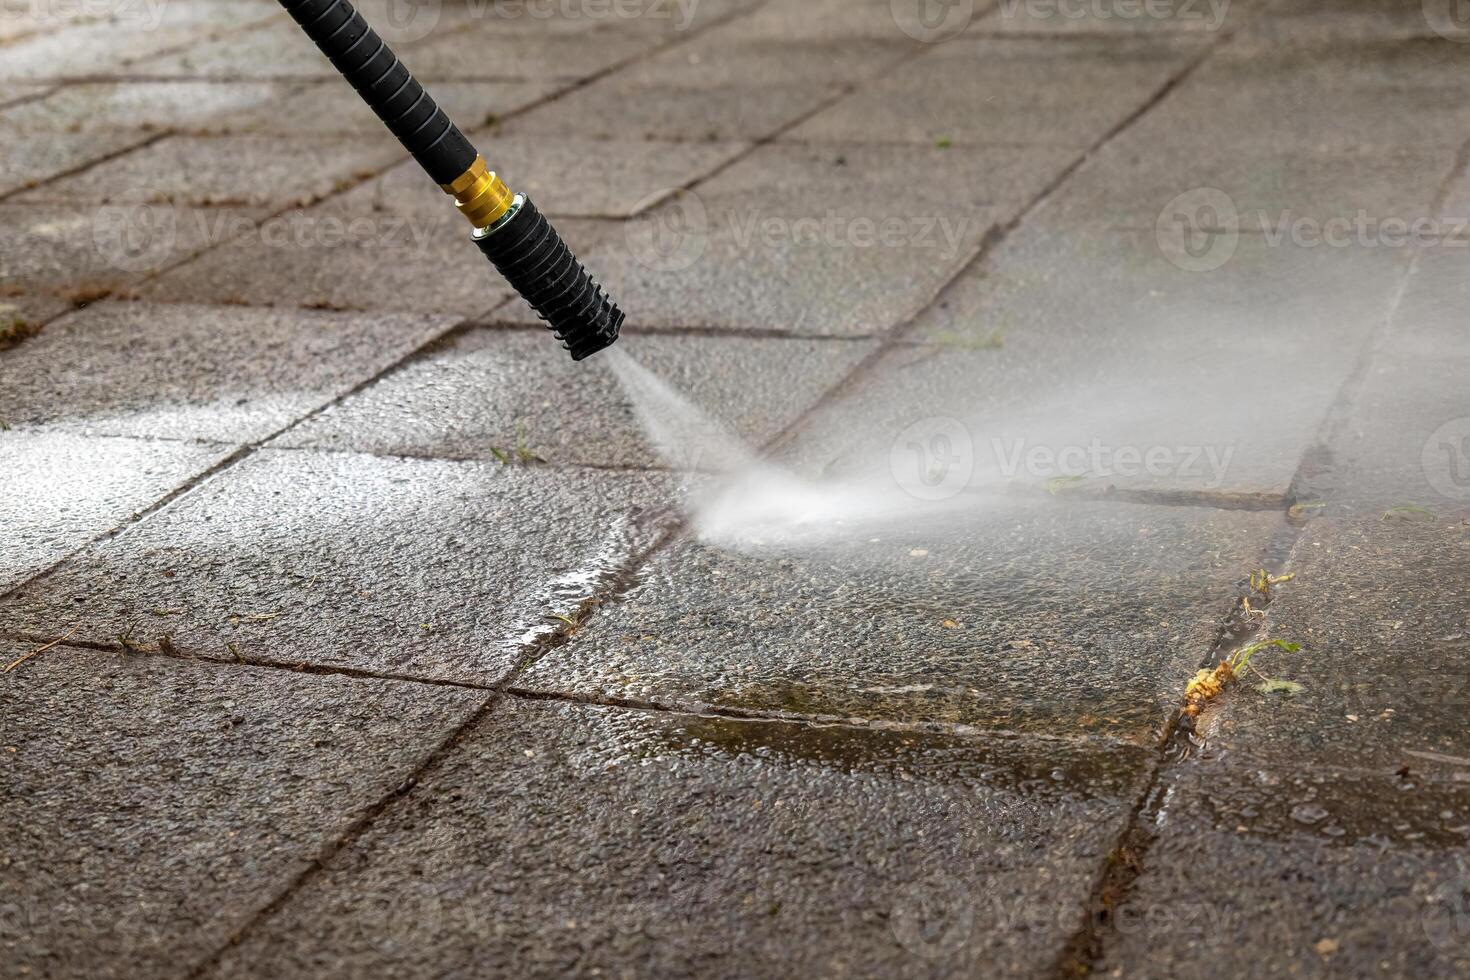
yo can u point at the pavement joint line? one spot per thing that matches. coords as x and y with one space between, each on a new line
1088 947
717 333
841 91
83 167
850 723
354 829
243 451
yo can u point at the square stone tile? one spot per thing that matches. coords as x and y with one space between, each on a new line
341 258
144 106
227 171
485 51
159 804
30 161
565 177
1254 109
1060 93
410 567
1400 437
224 374
1332 873
63 490
1327 196
1206 381
1029 616
73 253
801 239
723 85
700 845
96 48
1384 652
488 392
332 107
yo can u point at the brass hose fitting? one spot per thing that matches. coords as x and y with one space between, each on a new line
480 194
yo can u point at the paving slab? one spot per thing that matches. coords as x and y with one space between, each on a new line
1029 616
722 85
226 171
487 392
74 253
485 51
146 106
1297 113
465 563
1398 439
1385 648
222 374
40 157
1067 92
92 49
1355 64
159 804
332 106
850 20
566 838
1373 20
1300 870
341 257
598 178
63 490
802 239
1320 191
1075 344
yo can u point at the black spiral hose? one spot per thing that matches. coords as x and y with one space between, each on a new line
520 242
385 85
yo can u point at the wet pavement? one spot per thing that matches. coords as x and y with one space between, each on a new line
349 629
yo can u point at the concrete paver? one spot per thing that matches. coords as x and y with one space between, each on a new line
41 157
1066 93
156 806
145 106
421 568
75 252
567 838
1096 344
1035 616
222 374
1300 870
330 107
723 85
487 392
226 171
63 490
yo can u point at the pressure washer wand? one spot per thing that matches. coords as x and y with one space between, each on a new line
517 238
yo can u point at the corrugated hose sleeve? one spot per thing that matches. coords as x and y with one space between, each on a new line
385 85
